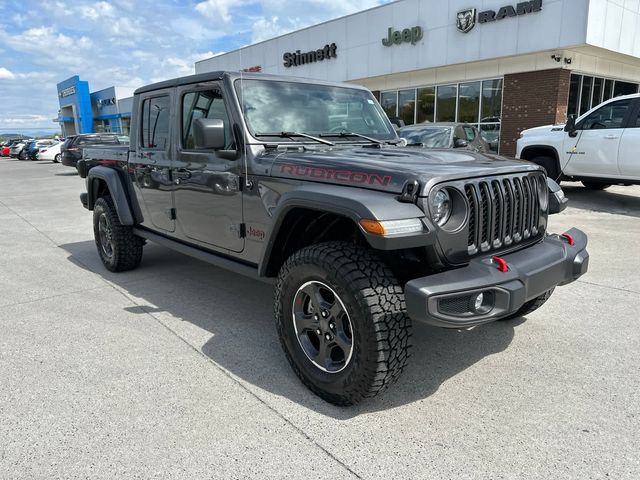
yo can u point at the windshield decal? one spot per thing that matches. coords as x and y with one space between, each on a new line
344 176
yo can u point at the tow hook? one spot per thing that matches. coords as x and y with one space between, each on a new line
501 263
568 238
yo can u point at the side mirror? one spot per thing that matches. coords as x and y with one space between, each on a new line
397 121
460 143
208 133
570 126
557 200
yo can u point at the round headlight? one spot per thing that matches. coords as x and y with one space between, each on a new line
440 206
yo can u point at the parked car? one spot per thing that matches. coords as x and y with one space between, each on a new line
32 149
599 148
444 135
71 150
51 153
5 148
16 148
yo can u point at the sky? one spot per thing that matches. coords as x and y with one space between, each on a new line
129 43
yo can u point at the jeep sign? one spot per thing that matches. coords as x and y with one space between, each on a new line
408 35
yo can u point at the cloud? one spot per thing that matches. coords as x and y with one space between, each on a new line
217 9
6 74
129 44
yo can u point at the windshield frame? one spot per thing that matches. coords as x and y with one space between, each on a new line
389 137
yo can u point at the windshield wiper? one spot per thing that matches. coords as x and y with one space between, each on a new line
344 133
296 134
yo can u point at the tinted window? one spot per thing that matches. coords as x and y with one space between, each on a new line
407 105
446 103
469 102
426 104
609 116
205 104
155 123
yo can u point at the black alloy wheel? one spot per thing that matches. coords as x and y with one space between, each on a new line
322 326
105 233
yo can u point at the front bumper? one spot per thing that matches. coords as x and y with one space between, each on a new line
446 299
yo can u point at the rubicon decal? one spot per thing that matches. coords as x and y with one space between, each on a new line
344 176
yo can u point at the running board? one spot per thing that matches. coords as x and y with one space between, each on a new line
212 258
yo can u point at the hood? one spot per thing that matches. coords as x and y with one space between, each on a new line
543 129
388 169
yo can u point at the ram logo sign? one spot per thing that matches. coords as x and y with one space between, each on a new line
466 19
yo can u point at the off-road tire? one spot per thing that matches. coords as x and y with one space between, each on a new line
550 165
530 306
374 302
56 159
595 185
126 247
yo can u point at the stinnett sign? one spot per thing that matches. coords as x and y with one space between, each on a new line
297 58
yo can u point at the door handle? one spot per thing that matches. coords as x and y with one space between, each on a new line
610 137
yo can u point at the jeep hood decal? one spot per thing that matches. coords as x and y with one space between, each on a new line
388 168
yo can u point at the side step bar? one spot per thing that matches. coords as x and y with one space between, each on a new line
212 258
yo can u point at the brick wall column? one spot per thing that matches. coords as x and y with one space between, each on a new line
532 99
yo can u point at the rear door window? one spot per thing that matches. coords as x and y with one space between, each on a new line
155 123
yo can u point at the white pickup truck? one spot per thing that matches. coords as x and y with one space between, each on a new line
600 148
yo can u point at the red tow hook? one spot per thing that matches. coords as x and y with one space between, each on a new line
569 239
502 264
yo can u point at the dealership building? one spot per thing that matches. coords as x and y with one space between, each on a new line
106 110
503 66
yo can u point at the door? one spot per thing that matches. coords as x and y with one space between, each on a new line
629 159
595 153
207 191
151 163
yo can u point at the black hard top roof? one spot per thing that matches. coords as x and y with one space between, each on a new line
211 76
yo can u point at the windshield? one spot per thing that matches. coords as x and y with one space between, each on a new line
272 107
431 137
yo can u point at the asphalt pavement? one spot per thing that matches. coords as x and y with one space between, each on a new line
174 370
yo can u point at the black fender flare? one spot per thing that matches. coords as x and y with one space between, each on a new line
117 190
353 203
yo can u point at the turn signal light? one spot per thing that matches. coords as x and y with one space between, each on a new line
392 227
372 226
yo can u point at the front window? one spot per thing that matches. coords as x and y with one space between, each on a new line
430 137
609 116
271 108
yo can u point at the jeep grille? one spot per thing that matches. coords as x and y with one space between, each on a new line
503 211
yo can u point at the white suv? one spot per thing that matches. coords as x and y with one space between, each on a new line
600 148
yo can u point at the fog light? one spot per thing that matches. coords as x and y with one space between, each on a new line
482 303
478 303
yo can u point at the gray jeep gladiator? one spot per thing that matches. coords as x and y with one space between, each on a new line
305 184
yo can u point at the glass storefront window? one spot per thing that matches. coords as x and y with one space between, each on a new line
574 95
426 104
587 92
446 103
585 95
469 102
624 88
608 90
407 105
491 100
389 102
596 97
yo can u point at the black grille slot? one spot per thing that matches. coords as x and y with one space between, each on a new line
502 212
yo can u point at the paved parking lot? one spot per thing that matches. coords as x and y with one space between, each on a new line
174 370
